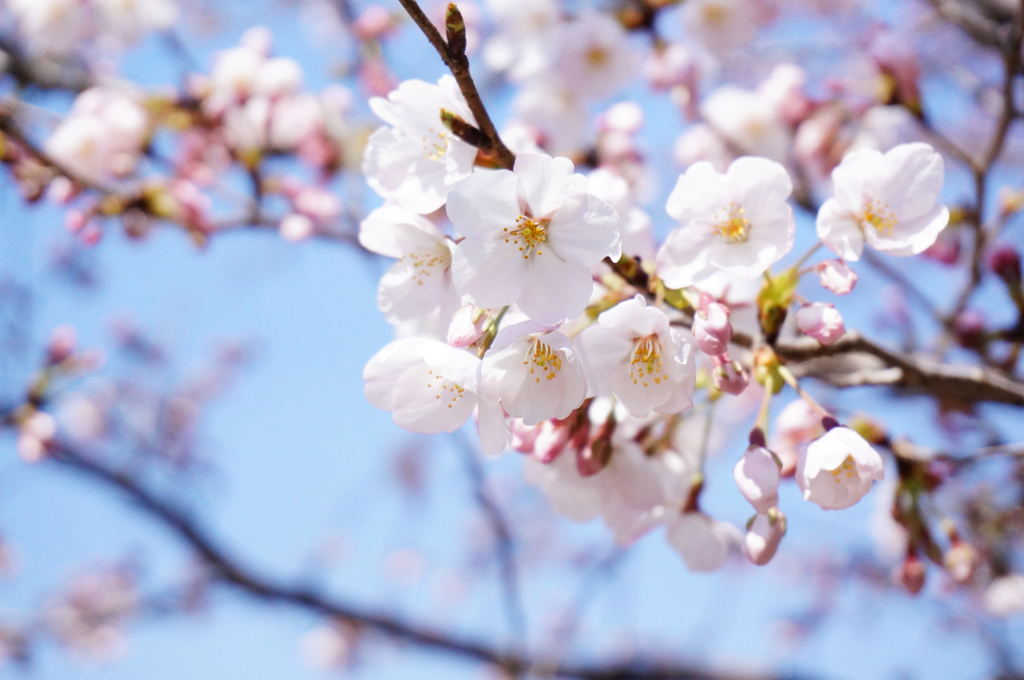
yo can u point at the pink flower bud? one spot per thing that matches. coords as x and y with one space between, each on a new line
374 22
837 276
296 227
911 574
969 329
821 321
730 377
711 327
757 476
764 533
63 340
1005 262
468 326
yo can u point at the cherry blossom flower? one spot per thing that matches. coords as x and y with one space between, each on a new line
749 120
427 386
592 55
836 471
1005 596
757 476
887 200
701 143
633 354
836 276
414 159
764 533
420 283
738 222
102 136
534 373
721 25
521 44
820 321
531 236
704 543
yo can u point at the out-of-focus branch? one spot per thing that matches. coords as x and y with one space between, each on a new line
504 544
46 74
458 64
227 570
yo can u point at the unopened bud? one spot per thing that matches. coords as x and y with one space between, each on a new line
969 329
468 325
455 27
911 574
711 327
730 377
836 276
62 344
593 458
1005 262
757 477
821 321
764 534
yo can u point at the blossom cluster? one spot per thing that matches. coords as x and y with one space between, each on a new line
513 303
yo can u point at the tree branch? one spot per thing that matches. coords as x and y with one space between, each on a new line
227 570
458 64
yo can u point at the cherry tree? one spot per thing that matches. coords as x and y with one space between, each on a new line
626 247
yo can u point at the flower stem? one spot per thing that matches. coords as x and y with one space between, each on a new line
788 376
807 255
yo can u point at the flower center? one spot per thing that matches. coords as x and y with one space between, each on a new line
645 362
878 215
597 56
448 392
714 14
847 470
527 234
435 149
544 360
423 265
734 227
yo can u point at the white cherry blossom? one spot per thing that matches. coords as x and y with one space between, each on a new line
738 222
837 469
414 159
420 283
634 354
534 372
103 135
889 201
427 386
532 235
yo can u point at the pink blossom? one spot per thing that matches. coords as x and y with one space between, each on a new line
757 476
837 276
821 321
764 534
468 326
711 327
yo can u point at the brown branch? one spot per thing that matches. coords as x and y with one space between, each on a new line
458 64
226 570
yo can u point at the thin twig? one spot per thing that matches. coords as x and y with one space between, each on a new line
458 64
227 570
